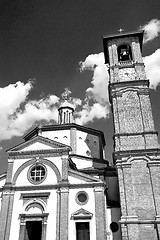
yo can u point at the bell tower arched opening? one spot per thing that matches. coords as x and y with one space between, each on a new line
124 53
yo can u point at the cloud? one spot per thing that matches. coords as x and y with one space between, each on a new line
96 104
18 114
99 88
89 113
152 30
152 66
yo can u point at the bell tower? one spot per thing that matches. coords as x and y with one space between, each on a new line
136 149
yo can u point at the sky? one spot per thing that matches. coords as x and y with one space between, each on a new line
46 46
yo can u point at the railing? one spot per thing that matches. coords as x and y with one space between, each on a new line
125 63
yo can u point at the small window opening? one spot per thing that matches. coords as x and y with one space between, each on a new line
82 231
33 230
37 173
114 227
124 53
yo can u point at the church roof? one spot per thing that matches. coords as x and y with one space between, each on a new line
56 127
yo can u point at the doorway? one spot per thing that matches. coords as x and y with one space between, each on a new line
33 230
82 231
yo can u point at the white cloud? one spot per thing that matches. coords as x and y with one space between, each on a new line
152 65
89 113
99 88
96 104
152 30
17 116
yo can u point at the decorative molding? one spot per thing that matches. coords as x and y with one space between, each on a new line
139 152
83 176
78 201
135 134
37 154
98 160
35 195
43 140
139 221
33 161
29 173
38 216
99 189
44 128
81 214
3 176
113 86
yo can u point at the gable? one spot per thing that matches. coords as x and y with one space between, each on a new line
81 214
39 143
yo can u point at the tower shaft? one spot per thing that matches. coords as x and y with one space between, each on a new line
136 149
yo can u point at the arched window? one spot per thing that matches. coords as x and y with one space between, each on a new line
124 53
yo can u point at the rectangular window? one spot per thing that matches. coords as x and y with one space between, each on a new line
82 231
33 230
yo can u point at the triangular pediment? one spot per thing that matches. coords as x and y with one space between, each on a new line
80 177
81 214
39 143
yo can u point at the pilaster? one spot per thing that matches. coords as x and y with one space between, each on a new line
100 213
64 168
64 213
6 213
73 140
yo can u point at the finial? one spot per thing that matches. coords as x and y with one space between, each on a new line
66 94
40 129
120 30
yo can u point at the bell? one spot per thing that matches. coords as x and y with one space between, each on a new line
124 53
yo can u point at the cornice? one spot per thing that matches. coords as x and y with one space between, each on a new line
135 134
137 83
98 160
38 153
3 176
130 64
139 152
45 128
35 195
83 176
43 140
59 186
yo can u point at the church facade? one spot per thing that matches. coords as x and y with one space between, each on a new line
58 184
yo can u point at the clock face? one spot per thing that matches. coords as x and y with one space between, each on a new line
127 74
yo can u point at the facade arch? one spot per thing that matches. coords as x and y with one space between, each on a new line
33 161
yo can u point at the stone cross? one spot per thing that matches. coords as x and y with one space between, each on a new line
120 30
